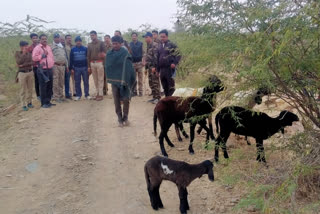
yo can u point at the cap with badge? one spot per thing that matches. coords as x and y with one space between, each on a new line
148 34
56 35
78 38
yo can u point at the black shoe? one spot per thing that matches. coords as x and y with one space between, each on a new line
46 106
52 104
74 95
150 101
68 97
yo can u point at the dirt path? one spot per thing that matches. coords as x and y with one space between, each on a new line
74 159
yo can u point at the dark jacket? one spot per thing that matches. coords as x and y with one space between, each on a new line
137 51
78 57
167 54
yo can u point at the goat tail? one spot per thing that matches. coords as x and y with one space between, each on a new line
217 123
147 177
155 118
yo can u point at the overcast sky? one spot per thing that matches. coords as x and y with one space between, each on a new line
101 15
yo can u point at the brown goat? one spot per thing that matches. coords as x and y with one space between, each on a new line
181 173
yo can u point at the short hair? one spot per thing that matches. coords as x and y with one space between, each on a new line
155 31
134 33
117 39
107 36
32 35
67 36
23 43
93 32
118 31
165 32
42 35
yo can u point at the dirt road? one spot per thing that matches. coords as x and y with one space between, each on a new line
74 159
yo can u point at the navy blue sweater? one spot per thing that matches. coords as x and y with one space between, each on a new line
137 51
78 57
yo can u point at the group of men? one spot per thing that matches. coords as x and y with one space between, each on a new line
113 60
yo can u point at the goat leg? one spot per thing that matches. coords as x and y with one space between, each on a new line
157 196
183 195
192 127
260 151
199 130
176 126
168 140
153 201
163 150
204 126
184 133
211 127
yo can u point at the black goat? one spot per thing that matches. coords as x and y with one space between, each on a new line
193 110
242 121
181 173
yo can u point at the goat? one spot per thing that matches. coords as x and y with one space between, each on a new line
181 173
242 121
176 110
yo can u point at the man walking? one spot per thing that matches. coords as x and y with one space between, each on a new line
79 67
121 75
42 54
25 75
96 55
151 59
137 54
35 41
59 68
168 59
68 46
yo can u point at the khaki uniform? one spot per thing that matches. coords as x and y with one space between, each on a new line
105 84
68 50
59 68
25 76
151 58
96 64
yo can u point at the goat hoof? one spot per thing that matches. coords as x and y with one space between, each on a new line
186 136
180 139
165 155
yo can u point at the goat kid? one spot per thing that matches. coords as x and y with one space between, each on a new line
181 173
245 122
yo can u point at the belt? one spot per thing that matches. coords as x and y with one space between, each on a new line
25 71
60 64
95 61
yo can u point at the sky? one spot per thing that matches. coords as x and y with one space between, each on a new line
101 15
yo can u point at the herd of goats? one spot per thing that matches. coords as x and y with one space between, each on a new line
197 110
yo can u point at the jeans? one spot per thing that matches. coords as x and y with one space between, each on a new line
45 88
67 76
167 81
78 72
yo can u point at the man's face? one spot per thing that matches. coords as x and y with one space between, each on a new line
56 40
63 41
68 40
107 40
78 43
163 37
24 48
154 35
93 37
134 37
116 46
116 33
148 39
43 40
35 40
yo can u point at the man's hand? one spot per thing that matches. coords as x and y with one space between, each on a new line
89 71
153 70
173 66
102 55
67 69
72 71
157 74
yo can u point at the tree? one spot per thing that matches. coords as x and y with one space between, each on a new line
277 44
